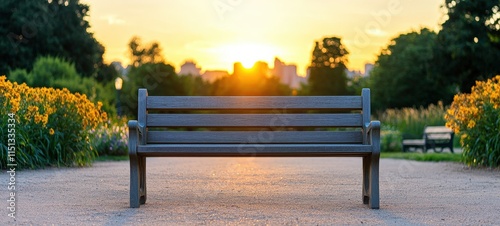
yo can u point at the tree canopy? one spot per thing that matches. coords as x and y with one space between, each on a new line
144 54
469 41
405 74
47 28
328 66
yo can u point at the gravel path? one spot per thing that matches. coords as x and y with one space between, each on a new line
248 191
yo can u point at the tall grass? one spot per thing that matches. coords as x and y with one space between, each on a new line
412 121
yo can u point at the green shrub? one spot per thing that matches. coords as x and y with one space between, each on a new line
390 139
476 117
48 69
20 76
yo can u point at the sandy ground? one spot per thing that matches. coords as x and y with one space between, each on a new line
256 191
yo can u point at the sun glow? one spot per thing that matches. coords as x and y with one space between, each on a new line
248 53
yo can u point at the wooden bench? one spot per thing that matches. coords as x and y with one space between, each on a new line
435 137
258 126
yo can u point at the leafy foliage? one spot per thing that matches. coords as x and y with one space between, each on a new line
411 122
140 54
58 73
328 65
390 139
405 74
159 79
476 116
469 42
40 28
53 127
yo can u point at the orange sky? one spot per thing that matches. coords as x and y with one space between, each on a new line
216 33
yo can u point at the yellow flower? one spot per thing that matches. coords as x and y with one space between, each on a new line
51 131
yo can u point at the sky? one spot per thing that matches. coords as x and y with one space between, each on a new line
216 33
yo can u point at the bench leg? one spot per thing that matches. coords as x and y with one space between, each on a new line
374 182
371 181
134 181
142 179
366 179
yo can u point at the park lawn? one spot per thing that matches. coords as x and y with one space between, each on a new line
427 157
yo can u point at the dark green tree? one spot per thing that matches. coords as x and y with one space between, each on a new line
106 73
328 66
469 41
34 28
159 79
406 75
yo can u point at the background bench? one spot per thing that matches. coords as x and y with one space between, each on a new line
435 137
288 126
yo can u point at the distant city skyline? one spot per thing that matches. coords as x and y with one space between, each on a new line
287 73
217 33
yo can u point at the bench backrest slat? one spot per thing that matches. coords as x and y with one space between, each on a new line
262 137
254 102
244 116
254 120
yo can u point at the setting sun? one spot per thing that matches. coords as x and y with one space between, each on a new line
247 53
249 31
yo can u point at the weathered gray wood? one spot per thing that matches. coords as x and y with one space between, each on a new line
263 137
142 114
363 142
254 120
236 150
134 164
365 95
435 137
366 180
374 141
414 142
254 102
438 129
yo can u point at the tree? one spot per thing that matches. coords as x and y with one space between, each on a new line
41 28
405 73
140 54
469 41
159 79
327 71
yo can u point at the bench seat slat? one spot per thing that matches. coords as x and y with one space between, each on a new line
237 137
235 150
254 102
254 120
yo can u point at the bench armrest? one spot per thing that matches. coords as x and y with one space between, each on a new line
133 138
373 125
373 133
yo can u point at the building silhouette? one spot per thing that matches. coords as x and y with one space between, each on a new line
190 68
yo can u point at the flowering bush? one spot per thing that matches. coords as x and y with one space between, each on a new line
52 126
112 138
476 116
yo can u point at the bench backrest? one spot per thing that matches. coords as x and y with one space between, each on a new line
253 119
